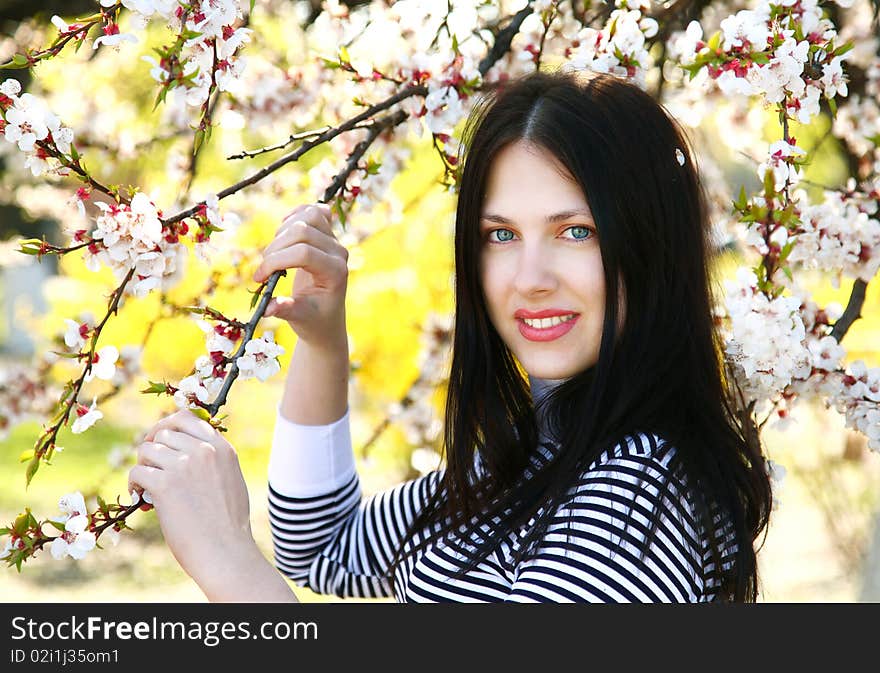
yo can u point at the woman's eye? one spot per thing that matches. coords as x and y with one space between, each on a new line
503 235
584 232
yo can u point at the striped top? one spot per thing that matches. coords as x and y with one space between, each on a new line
331 539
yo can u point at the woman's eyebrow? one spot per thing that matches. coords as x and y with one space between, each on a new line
555 217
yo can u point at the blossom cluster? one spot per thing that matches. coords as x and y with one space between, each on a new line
822 379
204 55
784 52
78 530
29 123
858 123
130 236
619 47
767 339
259 360
841 235
204 383
859 401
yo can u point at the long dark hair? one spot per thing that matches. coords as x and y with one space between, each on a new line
662 373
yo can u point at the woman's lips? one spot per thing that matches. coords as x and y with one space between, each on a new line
548 334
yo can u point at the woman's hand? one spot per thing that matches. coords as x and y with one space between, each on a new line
197 488
316 309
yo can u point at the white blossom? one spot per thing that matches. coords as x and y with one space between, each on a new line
75 541
86 418
259 359
104 366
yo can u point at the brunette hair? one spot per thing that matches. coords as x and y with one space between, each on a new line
662 373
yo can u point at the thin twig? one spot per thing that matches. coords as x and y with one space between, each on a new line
302 135
305 147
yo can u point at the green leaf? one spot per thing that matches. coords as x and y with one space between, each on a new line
32 468
31 246
343 55
760 57
714 41
59 526
198 139
255 297
72 356
20 526
832 104
26 456
742 201
845 47
155 387
20 60
201 413
252 6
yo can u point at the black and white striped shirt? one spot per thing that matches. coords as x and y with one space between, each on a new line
331 539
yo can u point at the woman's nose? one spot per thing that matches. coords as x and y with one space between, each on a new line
535 271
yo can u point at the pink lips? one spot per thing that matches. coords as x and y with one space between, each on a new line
548 334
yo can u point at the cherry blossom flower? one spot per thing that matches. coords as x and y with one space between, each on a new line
259 359
103 364
144 496
72 504
826 353
779 162
193 390
75 541
833 78
747 28
26 122
112 37
10 88
86 417
217 338
75 334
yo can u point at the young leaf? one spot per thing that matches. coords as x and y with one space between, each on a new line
32 468
156 387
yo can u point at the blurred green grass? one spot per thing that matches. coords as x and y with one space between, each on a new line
81 466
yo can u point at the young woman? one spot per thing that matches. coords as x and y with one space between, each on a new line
593 448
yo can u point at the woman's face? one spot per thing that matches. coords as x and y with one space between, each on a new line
540 255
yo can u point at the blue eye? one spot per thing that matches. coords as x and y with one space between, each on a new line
587 233
501 235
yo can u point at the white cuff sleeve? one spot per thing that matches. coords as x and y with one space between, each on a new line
309 460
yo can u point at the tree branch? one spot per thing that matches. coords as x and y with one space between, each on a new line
853 310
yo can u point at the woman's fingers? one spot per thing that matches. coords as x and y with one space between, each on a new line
145 478
301 255
158 455
185 421
300 231
318 214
